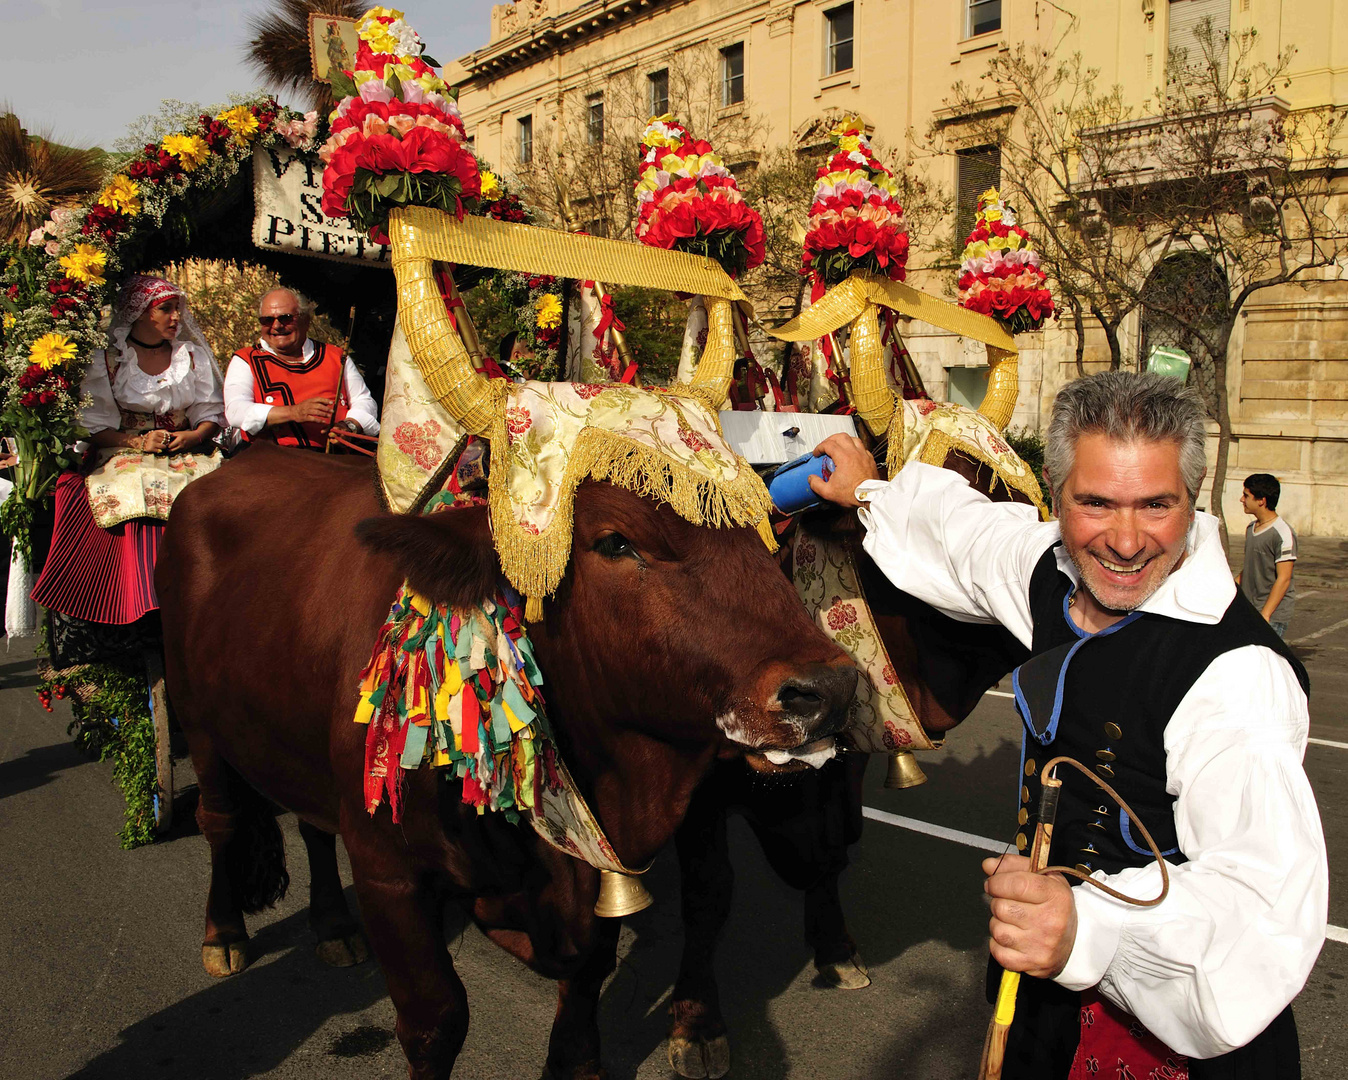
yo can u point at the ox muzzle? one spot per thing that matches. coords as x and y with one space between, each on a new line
803 710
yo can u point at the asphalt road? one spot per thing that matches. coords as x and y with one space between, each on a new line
99 949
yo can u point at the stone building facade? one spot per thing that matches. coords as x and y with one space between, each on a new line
793 64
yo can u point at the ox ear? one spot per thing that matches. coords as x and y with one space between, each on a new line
448 556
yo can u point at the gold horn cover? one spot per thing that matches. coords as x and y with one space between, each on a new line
715 370
871 392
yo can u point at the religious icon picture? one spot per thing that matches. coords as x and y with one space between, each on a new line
332 44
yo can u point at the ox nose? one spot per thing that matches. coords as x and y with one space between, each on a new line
817 698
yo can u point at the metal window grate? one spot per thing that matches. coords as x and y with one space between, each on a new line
840 37
732 74
977 171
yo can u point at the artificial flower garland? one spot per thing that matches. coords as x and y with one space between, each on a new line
53 290
856 222
396 138
691 202
1000 275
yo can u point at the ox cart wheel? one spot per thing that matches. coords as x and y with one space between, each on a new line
163 752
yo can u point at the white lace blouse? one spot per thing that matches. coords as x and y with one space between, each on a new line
188 383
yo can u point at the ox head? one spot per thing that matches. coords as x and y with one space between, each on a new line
683 633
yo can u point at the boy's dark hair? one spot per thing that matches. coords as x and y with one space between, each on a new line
1264 486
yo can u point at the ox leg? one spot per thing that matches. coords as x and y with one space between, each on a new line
247 859
698 1043
340 941
573 1047
403 921
806 842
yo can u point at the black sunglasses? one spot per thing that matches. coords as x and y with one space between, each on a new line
284 320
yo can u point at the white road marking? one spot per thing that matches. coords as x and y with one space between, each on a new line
1320 633
983 843
1329 742
999 693
938 831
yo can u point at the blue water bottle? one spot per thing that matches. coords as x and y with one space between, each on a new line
790 487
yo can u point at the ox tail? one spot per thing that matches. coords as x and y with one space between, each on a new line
257 855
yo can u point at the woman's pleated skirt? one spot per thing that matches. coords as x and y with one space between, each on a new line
102 575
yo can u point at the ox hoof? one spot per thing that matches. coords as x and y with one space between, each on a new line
849 974
222 961
345 951
698 1057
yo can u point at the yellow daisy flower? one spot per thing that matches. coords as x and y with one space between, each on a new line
9 320
190 150
491 187
240 121
85 264
122 194
51 350
549 311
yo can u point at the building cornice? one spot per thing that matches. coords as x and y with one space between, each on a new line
541 35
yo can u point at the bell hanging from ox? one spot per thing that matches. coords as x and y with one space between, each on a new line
904 771
620 894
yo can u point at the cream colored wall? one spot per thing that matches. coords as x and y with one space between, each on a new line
1289 397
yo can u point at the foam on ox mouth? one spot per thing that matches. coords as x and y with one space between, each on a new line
812 754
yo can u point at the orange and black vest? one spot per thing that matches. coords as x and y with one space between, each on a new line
278 381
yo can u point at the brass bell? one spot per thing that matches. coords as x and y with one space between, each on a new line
620 894
904 771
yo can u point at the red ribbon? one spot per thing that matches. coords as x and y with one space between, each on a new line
607 319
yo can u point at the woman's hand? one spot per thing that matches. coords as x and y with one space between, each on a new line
181 441
152 442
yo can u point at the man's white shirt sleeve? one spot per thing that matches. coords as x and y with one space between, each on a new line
938 539
241 411
363 410
1236 938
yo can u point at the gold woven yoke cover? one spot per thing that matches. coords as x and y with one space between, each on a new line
660 444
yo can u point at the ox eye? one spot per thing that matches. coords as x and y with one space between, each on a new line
614 546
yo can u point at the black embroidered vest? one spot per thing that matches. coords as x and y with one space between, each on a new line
1105 699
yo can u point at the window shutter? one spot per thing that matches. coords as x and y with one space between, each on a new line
1185 15
978 170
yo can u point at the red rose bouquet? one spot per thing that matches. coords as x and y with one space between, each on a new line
691 202
397 138
1000 275
856 222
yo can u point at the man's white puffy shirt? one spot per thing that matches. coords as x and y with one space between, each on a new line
1235 940
250 416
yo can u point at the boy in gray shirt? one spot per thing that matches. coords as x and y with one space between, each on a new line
1270 551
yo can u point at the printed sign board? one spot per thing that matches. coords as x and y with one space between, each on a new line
288 216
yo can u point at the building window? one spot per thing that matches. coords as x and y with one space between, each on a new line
657 83
977 171
732 74
526 139
839 38
966 386
984 16
1198 35
594 119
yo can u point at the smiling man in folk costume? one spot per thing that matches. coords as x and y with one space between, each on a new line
1149 667
292 388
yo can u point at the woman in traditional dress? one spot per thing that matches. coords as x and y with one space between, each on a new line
155 403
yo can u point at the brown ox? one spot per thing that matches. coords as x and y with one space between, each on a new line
272 596
806 822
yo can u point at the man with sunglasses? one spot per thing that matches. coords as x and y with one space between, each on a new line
286 387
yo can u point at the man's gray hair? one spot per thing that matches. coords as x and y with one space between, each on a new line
305 305
1127 407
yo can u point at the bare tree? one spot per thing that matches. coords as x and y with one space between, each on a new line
584 163
1185 209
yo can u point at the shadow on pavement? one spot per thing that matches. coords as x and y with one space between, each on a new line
253 1022
37 767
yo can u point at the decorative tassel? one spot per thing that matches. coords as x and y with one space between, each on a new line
769 537
533 609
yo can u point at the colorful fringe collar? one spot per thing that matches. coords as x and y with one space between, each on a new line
459 689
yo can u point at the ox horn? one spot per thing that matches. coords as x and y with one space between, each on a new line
435 345
871 392
1003 386
716 368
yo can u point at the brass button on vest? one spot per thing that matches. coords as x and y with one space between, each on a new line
1023 816
1029 767
1021 842
1114 731
1105 771
1105 755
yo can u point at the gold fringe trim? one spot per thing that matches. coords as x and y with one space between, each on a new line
419 232
535 563
939 443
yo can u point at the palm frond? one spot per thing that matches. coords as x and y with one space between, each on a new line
38 175
279 48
